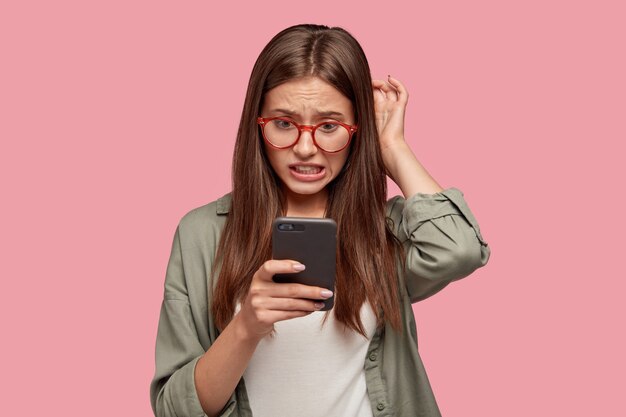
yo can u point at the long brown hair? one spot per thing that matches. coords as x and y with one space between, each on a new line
367 249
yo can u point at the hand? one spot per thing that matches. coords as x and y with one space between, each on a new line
390 100
401 165
268 302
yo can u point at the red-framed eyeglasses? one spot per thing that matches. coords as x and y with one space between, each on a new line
330 136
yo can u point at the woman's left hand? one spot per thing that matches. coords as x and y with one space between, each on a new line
401 165
390 100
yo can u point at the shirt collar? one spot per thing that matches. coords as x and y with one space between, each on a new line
223 204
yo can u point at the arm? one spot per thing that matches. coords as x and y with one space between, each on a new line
219 370
406 171
441 236
390 99
178 347
190 381
194 389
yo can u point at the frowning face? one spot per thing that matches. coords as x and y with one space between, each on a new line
304 169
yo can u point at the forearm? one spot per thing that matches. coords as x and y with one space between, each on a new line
219 370
406 171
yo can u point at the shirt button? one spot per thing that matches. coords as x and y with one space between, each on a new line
373 356
380 406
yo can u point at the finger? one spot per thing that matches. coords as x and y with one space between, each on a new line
378 84
379 95
390 89
278 266
275 316
403 94
386 84
294 290
291 304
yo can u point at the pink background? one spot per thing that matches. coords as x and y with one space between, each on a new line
118 117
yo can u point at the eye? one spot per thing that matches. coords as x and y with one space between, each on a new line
329 127
282 124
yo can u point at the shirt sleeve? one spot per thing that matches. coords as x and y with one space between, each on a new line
178 348
441 237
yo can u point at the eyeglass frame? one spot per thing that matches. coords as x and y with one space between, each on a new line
262 121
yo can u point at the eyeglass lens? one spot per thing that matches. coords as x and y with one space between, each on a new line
329 136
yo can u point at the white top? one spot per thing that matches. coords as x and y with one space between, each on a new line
308 370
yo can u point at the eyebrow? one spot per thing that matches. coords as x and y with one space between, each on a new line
319 113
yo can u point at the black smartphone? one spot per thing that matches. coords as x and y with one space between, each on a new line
312 242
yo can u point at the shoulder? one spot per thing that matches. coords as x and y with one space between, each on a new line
394 206
398 202
212 212
204 222
422 207
422 201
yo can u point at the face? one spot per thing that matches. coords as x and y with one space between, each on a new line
304 169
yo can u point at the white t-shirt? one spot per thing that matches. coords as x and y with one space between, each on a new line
309 370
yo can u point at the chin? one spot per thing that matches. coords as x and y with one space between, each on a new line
304 189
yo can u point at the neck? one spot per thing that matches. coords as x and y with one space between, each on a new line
302 205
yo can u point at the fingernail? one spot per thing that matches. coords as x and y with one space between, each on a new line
298 267
319 305
326 293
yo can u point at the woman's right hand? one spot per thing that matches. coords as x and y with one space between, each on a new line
268 302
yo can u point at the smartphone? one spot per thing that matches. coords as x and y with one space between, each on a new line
312 242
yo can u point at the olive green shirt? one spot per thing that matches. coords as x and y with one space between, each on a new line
442 242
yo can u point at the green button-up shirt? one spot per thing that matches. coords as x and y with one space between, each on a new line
442 241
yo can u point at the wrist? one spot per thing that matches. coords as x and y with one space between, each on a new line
243 333
394 153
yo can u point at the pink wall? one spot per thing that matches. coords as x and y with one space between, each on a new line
118 117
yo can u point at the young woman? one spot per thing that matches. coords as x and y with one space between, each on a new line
317 138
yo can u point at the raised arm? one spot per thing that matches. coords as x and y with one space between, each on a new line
390 100
442 238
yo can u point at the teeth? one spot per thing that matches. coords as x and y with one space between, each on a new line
307 170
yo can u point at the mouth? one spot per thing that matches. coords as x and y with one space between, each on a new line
307 172
306 169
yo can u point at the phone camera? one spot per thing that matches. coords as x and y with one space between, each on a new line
285 226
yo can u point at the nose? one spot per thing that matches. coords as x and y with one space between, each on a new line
305 146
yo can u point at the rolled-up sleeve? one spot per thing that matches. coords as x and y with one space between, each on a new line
172 390
441 237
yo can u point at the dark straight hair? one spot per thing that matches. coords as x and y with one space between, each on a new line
367 249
